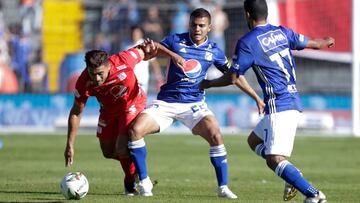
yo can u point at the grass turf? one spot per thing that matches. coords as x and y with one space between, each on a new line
32 166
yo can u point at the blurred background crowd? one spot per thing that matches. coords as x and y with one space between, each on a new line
42 42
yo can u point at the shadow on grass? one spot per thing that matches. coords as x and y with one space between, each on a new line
35 199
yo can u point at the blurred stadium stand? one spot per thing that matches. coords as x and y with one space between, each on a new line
72 26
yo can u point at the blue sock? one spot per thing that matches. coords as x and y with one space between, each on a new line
260 150
292 175
138 153
219 161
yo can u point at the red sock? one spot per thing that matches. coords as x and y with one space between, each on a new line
129 169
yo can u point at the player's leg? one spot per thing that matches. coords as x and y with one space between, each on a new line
146 123
279 134
257 144
123 155
202 122
107 132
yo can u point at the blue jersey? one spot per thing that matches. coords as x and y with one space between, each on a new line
182 85
266 49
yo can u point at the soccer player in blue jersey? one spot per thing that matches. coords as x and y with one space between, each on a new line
180 99
266 48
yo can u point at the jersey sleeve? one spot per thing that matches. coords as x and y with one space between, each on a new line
242 59
220 61
80 92
168 41
296 41
129 57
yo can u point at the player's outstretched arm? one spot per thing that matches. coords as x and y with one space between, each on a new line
225 80
73 125
178 60
242 83
320 43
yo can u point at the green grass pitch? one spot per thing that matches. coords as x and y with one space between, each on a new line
31 168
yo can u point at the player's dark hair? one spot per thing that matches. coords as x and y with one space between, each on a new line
136 27
257 9
200 13
96 58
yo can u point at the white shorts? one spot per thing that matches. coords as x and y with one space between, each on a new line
165 113
278 131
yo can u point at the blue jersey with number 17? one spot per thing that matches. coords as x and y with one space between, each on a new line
266 49
182 85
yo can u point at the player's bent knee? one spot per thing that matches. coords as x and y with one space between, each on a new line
135 133
273 160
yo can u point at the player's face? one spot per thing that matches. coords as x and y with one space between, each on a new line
199 28
98 75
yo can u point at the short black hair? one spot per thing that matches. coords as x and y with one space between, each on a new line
136 27
96 58
200 13
257 9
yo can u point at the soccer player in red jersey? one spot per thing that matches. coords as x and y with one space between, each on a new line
112 81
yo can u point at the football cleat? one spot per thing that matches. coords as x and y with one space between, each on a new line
225 192
130 189
145 187
289 192
319 198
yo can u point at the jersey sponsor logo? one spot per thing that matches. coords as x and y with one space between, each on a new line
208 56
192 68
272 39
118 91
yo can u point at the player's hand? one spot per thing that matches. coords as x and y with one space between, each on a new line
69 155
179 61
261 107
149 48
204 84
330 41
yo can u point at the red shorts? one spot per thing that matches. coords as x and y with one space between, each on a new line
110 127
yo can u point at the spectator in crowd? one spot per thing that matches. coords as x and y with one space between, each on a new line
142 69
114 21
20 52
220 23
31 16
38 75
152 24
179 22
102 43
4 50
8 80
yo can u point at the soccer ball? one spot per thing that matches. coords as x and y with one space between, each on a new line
74 185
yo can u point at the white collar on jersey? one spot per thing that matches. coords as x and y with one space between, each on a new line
262 25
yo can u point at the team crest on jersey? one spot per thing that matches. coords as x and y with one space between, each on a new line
208 56
192 68
272 39
122 76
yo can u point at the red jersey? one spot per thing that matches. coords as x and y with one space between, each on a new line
120 90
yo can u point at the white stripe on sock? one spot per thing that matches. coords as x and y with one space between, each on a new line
280 167
136 144
217 151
